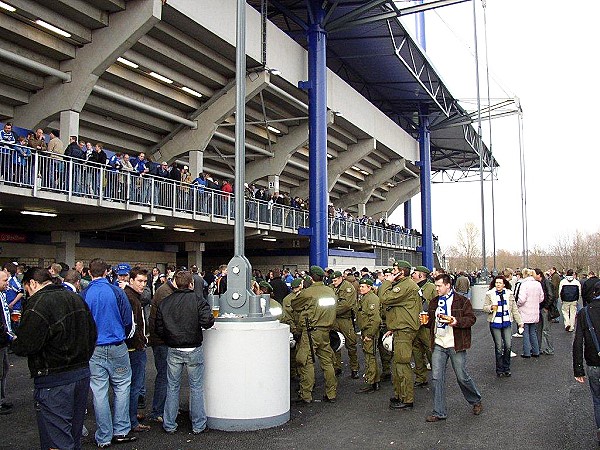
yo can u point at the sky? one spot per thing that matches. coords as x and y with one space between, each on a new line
542 52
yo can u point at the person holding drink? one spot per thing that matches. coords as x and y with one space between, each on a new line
502 310
450 318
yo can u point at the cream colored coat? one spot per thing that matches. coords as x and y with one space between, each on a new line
513 311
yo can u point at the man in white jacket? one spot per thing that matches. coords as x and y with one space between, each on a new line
569 291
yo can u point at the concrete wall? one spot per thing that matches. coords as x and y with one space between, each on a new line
283 53
44 255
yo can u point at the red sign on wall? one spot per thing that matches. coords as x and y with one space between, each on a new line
12 237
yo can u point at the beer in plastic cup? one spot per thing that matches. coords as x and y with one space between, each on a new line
423 317
15 316
215 310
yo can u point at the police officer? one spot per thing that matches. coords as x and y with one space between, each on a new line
421 346
315 307
344 310
369 320
402 306
291 318
384 355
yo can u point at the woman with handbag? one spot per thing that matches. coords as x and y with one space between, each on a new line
548 311
502 310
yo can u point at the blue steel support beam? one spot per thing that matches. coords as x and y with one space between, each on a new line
425 177
408 214
425 155
317 134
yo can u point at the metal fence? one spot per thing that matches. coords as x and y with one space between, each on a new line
78 179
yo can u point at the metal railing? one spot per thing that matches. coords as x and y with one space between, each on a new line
76 179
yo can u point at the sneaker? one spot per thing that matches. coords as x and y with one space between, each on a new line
206 430
141 402
105 445
512 354
517 335
433 418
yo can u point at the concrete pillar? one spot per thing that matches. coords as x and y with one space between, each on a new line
273 183
69 125
65 242
196 162
195 250
362 209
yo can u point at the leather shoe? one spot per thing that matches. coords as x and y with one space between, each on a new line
206 430
401 405
338 372
328 400
433 418
354 375
123 438
368 388
507 374
395 400
4 410
477 408
421 383
302 401
386 377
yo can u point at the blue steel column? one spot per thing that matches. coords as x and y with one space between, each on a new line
317 135
425 156
408 214
425 164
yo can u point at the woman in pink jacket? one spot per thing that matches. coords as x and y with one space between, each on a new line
529 296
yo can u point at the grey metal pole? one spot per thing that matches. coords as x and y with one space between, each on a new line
487 74
240 129
523 189
484 270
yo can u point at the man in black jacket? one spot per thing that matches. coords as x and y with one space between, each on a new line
584 345
179 322
587 290
57 333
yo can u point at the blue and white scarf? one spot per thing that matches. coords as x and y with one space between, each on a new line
502 317
442 308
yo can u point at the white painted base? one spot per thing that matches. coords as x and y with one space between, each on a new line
478 295
247 376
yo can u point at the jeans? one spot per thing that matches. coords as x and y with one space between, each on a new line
530 341
544 334
176 360
502 347
60 412
593 374
439 360
160 382
110 367
137 360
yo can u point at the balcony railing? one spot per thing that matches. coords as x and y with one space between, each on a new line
75 180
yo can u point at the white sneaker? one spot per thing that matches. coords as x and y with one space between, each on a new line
517 335
512 354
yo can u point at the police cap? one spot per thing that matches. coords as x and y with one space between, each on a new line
366 281
336 274
316 270
402 264
422 269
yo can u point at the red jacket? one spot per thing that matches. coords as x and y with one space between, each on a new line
462 310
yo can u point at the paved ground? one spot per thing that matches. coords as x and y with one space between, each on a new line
540 407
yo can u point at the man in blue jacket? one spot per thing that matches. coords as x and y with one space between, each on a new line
110 364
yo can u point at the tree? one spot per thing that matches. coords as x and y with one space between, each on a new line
466 254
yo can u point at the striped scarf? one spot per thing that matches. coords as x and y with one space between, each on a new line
502 317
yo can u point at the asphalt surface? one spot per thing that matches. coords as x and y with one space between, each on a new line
540 407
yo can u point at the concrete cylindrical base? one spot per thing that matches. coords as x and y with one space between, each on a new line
478 295
247 377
